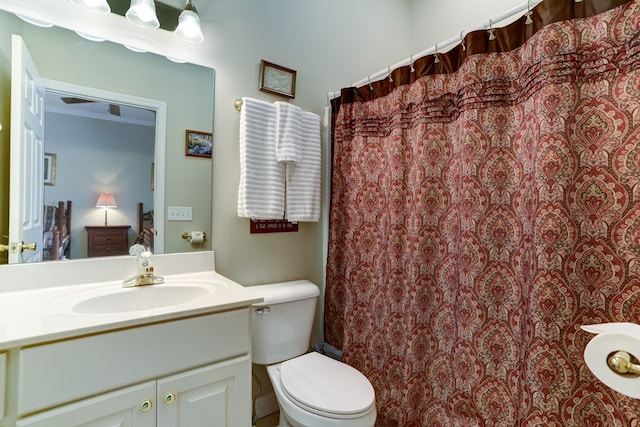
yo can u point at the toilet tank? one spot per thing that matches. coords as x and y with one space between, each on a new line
282 323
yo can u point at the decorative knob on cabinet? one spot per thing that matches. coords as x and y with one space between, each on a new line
169 398
146 406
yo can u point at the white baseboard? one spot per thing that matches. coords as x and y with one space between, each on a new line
266 404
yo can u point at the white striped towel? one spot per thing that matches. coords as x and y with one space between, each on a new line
261 189
303 178
288 132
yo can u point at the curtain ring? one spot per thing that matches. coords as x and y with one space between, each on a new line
389 72
491 30
529 20
462 41
436 59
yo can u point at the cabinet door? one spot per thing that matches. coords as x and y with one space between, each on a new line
130 407
3 379
218 395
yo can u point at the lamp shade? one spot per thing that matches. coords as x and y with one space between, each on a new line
106 201
189 25
95 6
143 13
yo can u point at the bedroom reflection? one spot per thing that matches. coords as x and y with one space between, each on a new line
99 148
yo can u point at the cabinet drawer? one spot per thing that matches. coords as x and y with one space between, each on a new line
3 383
107 250
56 373
98 238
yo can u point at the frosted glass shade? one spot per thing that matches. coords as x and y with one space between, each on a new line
189 26
143 13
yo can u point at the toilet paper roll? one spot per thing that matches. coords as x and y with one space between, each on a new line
196 237
615 337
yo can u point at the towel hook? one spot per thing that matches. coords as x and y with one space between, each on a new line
436 59
389 72
529 20
462 41
491 31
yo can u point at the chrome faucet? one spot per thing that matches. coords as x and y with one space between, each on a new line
145 274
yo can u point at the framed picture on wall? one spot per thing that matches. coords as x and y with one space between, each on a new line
49 169
198 144
277 79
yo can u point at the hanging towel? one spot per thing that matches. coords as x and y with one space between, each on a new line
261 189
303 177
288 132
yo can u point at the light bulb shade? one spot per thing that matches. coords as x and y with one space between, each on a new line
34 21
143 13
189 26
106 201
95 6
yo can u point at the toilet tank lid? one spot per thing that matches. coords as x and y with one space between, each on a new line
275 293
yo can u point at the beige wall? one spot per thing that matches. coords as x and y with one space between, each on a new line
436 21
328 52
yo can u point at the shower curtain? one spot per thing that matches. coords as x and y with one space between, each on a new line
485 205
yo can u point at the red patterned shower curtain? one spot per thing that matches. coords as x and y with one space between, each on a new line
480 215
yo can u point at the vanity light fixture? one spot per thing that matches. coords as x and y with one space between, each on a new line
90 37
189 24
106 201
95 6
143 13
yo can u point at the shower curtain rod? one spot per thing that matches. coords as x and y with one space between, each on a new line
442 46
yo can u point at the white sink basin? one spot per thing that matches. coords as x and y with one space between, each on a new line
114 299
141 298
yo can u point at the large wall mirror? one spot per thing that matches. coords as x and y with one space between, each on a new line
97 140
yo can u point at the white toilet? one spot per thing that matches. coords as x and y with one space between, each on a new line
313 390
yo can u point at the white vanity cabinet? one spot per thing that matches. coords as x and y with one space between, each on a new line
191 371
204 396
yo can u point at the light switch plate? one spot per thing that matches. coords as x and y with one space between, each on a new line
180 213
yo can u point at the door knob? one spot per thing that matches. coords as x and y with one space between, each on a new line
4 248
28 246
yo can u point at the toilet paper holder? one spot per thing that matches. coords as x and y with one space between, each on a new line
620 363
187 235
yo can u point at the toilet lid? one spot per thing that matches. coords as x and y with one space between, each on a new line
325 386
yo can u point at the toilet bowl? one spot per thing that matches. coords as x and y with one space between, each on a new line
315 390
312 390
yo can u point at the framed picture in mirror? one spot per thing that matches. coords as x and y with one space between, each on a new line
49 169
198 144
277 79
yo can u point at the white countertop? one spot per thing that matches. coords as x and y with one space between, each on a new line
32 316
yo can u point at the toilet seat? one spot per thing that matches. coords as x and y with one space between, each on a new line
326 387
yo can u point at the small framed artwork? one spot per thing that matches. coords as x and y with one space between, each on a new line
49 169
277 79
198 144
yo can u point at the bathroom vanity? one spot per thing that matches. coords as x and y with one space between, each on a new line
99 354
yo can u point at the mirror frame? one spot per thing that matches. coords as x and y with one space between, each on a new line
117 29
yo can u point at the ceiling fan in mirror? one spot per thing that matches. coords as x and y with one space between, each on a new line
113 109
